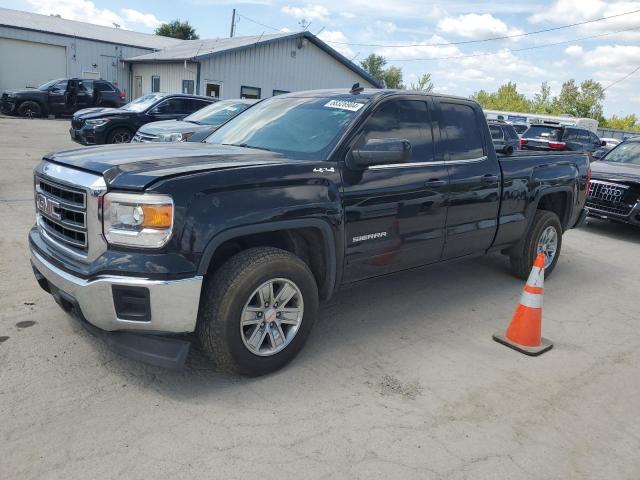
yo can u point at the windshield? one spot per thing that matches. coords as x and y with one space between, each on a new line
624 153
549 133
142 103
218 113
49 84
303 128
520 129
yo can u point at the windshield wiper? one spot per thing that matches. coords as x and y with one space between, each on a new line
245 145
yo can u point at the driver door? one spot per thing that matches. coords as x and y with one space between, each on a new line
58 97
395 213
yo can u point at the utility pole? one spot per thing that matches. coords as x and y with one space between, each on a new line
233 23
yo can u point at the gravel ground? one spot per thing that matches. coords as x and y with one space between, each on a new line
400 378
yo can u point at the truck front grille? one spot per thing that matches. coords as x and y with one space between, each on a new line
610 198
62 214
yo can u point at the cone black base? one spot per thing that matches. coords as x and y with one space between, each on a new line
545 345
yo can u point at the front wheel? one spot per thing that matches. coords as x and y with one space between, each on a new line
544 236
257 311
119 135
29 109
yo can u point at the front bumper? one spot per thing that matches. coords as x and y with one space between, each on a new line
173 304
7 106
87 136
633 218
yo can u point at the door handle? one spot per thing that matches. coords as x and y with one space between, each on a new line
489 178
434 183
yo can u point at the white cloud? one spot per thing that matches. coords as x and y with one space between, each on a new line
613 56
420 49
147 19
86 11
574 50
388 27
308 12
336 36
473 25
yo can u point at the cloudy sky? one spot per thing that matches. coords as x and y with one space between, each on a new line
417 35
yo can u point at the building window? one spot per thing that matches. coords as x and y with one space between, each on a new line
280 92
249 92
155 83
187 86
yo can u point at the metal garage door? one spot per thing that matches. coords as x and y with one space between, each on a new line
29 64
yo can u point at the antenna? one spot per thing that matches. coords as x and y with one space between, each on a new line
356 88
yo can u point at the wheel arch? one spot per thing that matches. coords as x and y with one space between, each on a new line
296 236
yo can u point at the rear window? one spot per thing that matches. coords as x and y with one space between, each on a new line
104 87
520 129
510 132
496 132
539 131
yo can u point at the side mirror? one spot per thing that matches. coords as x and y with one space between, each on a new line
380 151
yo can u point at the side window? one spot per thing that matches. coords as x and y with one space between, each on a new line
593 138
195 105
103 87
402 119
462 139
86 85
570 135
60 86
173 106
155 83
511 133
583 136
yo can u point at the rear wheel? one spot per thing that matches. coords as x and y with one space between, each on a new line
29 109
119 135
509 150
257 311
544 236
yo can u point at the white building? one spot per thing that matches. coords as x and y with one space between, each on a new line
37 48
246 67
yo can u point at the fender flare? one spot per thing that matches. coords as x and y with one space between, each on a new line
235 232
533 206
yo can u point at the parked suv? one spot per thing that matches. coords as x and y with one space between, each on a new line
560 137
504 136
60 97
237 239
95 126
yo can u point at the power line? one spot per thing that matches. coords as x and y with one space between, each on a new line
258 23
483 54
466 42
621 79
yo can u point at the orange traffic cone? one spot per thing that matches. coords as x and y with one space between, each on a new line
525 331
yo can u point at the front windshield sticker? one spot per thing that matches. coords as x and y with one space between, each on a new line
345 105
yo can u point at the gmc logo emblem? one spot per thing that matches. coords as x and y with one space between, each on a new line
47 206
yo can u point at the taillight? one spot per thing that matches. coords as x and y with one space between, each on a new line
523 141
557 145
123 94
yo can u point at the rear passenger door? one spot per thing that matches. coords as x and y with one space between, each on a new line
474 177
395 213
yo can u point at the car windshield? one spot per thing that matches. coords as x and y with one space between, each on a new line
142 103
218 113
520 129
624 153
548 133
303 128
49 84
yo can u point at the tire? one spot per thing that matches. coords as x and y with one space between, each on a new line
521 265
29 109
230 291
509 150
119 135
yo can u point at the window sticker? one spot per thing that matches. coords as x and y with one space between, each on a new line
344 105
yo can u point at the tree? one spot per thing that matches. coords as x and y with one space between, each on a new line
628 122
177 29
542 101
424 83
392 76
506 97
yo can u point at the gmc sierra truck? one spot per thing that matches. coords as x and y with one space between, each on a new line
238 239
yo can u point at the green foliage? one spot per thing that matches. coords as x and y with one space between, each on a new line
628 122
424 84
506 97
177 29
392 76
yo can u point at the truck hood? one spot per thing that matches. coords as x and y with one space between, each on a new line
102 112
615 171
135 166
173 126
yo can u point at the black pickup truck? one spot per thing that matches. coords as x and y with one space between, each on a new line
238 239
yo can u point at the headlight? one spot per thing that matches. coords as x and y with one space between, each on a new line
97 122
175 137
139 220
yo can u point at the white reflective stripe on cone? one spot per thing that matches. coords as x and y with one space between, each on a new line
536 277
531 300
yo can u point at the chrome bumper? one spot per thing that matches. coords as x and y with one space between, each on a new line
173 303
